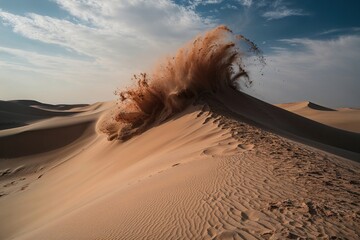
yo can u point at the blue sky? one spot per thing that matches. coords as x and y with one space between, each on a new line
67 51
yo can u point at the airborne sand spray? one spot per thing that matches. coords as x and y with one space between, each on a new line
210 63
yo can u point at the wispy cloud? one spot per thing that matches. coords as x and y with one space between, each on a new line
229 6
193 4
48 65
340 30
279 9
246 3
283 12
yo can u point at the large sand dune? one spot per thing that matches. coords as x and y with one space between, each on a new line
228 167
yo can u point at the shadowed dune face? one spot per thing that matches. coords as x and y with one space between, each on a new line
210 63
38 141
23 112
45 130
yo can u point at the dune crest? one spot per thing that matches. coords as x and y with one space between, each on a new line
213 61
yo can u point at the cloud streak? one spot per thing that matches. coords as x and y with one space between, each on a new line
279 9
246 3
282 13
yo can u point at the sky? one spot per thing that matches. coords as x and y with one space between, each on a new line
81 51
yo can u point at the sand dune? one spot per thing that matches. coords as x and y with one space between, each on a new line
22 112
343 118
296 106
210 172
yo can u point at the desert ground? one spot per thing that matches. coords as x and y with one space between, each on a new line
227 167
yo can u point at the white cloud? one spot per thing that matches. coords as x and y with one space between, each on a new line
279 9
154 19
229 6
283 12
49 65
340 30
120 37
108 26
323 71
193 4
246 3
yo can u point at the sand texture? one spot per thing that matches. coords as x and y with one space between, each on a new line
343 118
230 167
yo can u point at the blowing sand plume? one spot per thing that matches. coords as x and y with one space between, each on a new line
211 63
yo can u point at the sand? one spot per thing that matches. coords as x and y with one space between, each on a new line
343 118
230 167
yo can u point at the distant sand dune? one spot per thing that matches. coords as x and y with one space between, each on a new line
22 112
344 118
303 105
